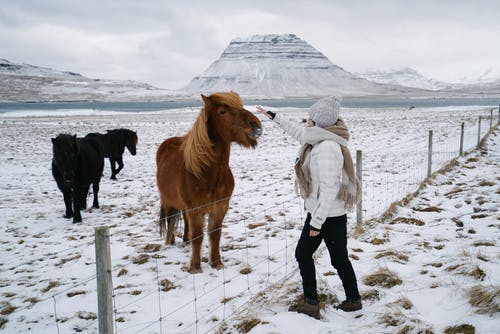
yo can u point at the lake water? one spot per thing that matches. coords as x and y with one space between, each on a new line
298 103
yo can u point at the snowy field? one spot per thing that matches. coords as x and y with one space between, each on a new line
436 249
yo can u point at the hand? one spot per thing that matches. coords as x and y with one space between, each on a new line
313 233
263 111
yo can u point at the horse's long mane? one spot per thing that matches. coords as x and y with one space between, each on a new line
197 146
198 150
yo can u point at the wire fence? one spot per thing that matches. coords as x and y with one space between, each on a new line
259 259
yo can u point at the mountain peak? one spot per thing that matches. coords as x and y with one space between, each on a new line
277 66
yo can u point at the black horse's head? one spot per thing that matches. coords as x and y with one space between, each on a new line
66 149
132 143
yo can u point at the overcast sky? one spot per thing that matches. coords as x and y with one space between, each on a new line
166 42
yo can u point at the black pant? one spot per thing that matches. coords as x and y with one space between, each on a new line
334 233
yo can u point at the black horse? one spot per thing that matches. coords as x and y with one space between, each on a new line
113 144
77 163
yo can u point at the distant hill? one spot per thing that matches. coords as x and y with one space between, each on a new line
28 83
279 66
406 76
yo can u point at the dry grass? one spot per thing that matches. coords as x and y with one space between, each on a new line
460 329
428 209
152 248
484 243
397 256
140 259
3 321
404 303
7 308
246 271
86 315
407 220
122 272
485 299
75 293
370 295
384 278
167 285
52 284
246 325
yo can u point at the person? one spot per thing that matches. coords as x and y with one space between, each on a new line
327 183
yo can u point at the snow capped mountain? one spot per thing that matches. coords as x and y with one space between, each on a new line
274 66
28 83
407 77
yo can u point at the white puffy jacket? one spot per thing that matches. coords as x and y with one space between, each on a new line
325 163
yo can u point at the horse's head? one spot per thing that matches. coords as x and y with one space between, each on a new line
131 142
229 121
65 148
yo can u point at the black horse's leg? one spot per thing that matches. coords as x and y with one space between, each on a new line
77 217
120 165
82 196
95 188
112 162
67 202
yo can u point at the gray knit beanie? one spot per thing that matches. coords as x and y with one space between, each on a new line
325 112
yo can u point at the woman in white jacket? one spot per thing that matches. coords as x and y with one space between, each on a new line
329 187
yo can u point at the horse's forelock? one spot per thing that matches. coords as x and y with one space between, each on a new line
230 99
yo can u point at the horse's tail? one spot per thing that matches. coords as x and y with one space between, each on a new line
173 216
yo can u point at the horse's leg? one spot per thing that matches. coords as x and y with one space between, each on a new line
67 202
196 221
185 237
95 189
112 163
82 196
120 165
77 217
215 219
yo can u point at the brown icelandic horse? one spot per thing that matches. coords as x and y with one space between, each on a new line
193 173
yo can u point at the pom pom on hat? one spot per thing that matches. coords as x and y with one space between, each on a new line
325 112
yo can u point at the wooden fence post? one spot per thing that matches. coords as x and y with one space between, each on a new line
359 174
104 282
491 118
429 156
479 132
462 139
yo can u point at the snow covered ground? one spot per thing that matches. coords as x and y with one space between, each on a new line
441 245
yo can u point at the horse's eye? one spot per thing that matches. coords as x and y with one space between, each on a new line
222 112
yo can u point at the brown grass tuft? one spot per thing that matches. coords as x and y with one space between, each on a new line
370 295
7 308
483 243
484 299
152 248
384 278
140 259
75 293
428 209
461 329
398 257
246 271
246 325
407 220
166 285
86 315
122 272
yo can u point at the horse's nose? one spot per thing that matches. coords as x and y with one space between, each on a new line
257 130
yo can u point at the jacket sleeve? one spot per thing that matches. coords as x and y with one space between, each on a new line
330 161
290 127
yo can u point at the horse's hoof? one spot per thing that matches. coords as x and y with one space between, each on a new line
192 270
95 206
218 265
113 177
68 215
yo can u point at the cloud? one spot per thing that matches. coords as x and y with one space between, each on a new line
166 43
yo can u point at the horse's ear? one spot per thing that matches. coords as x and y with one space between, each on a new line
206 100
